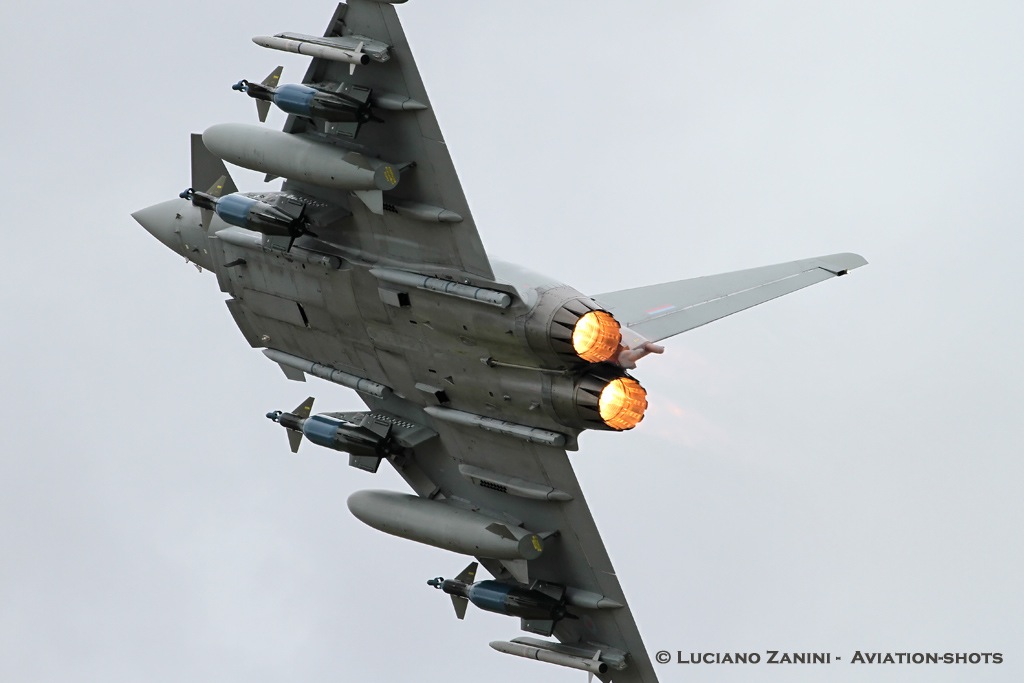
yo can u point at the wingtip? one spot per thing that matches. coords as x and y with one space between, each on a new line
841 264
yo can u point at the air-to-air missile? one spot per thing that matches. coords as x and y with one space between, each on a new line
592 661
284 217
344 104
351 49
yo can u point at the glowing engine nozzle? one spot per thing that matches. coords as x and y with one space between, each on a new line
622 403
601 398
596 337
575 329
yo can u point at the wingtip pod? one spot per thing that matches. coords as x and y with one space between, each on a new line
841 264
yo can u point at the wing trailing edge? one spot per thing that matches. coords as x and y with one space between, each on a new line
661 311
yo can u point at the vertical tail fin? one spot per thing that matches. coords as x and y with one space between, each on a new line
207 169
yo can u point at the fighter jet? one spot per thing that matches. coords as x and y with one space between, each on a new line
366 270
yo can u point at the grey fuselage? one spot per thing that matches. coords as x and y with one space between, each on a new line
533 378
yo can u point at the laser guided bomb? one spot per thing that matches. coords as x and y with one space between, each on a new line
283 216
367 437
539 610
345 103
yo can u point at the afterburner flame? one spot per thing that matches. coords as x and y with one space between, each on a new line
596 337
622 403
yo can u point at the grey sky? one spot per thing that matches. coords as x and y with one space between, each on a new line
838 470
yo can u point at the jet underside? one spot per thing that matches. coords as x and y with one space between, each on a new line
366 270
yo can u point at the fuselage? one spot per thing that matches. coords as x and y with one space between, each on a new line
548 358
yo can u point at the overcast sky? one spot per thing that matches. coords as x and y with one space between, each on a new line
838 470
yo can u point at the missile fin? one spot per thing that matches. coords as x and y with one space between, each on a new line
460 603
468 574
519 569
501 530
597 660
217 189
294 439
274 78
291 373
304 408
542 627
262 109
357 53
381 429
374 200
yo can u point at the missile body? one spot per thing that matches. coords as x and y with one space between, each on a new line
443 525
283 218
309 102
297 158
313 46
594 666
503 598
332 432
328 373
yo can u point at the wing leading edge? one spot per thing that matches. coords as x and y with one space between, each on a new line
665 310
424 224
575 555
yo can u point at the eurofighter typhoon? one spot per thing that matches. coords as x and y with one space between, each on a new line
366 270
